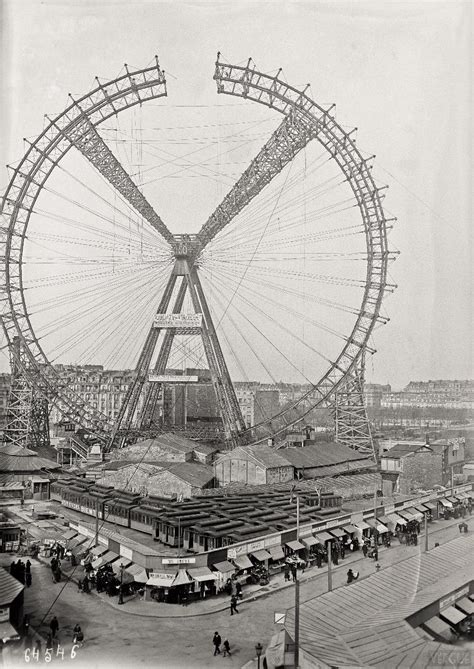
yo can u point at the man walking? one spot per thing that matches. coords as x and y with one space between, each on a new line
233 605
216 640
364 549
54 626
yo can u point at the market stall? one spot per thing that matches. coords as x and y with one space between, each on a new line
277 559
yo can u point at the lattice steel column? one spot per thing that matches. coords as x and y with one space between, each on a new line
352 426
27 413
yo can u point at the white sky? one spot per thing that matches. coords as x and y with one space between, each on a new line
399 71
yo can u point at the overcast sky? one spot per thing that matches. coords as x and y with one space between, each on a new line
399 71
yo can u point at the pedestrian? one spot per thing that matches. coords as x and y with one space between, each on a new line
28 579
365 549
293 572
216 640
351 576
28 567
54 626
78 635
239 590
287 572
233 605
226 648
376 554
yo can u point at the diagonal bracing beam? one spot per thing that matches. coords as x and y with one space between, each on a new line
292 135
86 139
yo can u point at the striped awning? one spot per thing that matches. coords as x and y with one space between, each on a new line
224 567
243 562
201 574
261 555
452 615
466 605
69 534
276 552
137 572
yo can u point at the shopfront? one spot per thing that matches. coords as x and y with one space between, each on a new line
277 559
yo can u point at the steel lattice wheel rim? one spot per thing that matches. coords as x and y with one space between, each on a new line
140 86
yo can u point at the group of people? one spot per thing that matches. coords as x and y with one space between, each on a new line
217 642
77 633
22 572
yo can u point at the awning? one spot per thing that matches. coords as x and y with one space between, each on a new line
310 541
276 552
243 562
439 628
137 572
406 514
161 580
375 524
337 532
108 556
421 508
362 525
125 576
8 632
116 565
294 545
350 529
69 534
430 506
182 578
261 555
445 503
453 499
462 495
466 605
415 513
99 550
201 574
452 615
322 537
224 567
77 541
396 519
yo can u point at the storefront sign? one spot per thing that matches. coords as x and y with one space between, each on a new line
272 541
164 575
4 615
231 553
126 552
255 546
306 532
448 601
178 560
333 523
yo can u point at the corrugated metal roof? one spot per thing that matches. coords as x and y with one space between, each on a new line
9 587
365 625
320 454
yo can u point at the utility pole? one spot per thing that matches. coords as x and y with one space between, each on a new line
96 521
297 590
329 566
426 532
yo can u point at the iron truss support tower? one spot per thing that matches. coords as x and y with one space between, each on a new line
27 413
352 426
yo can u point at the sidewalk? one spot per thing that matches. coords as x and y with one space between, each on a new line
438 531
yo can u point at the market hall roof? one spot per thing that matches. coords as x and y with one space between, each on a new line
320 453
260 453
365 625
17 459
402 450
10 588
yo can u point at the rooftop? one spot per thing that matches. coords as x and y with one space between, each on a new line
319 453
401 450
379 635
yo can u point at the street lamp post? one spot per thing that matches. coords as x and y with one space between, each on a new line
258 650
120 599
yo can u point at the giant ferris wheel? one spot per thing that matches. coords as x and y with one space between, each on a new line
283 281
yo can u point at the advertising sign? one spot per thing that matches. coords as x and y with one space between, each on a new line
231 553
448 601
177 321
272 541
171 378
189 560
255 546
